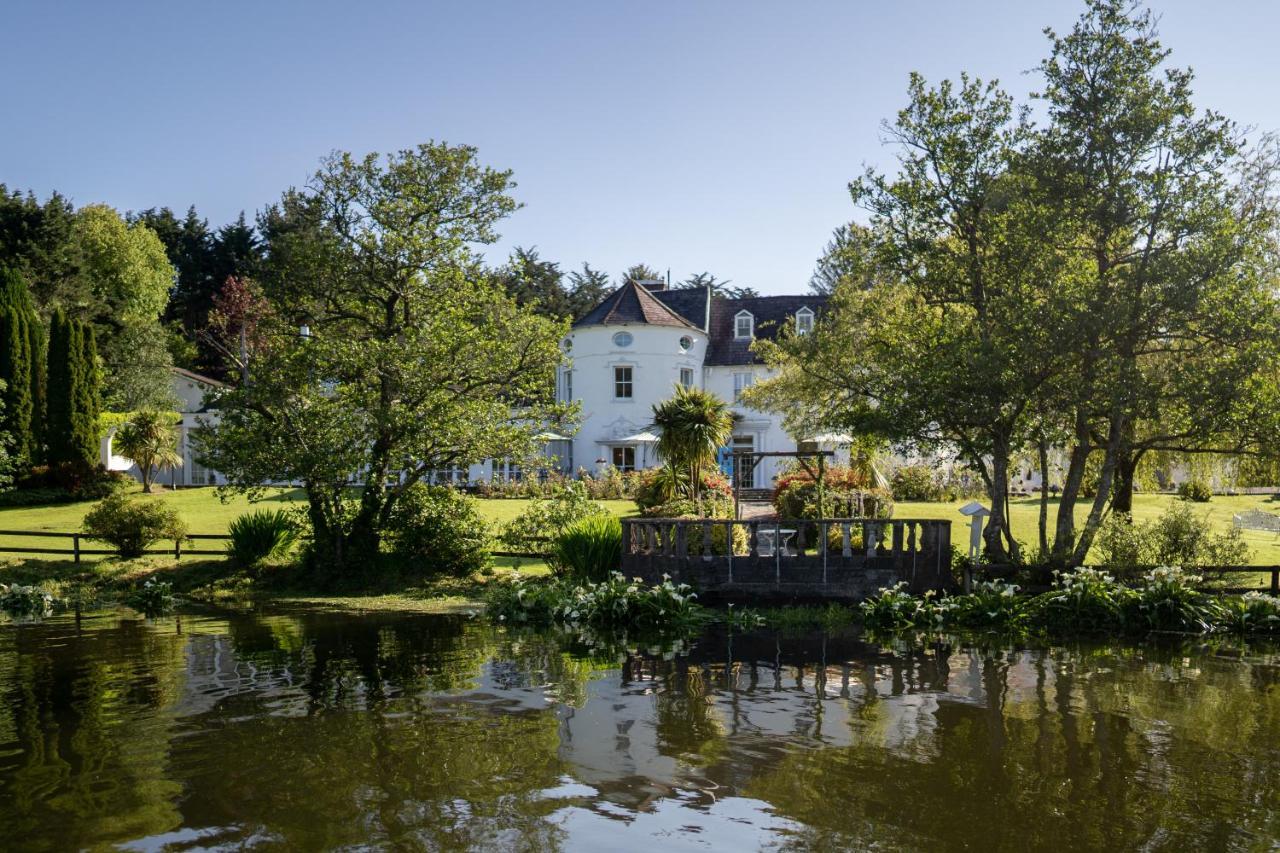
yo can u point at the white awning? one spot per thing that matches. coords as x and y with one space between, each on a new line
640 438
552 436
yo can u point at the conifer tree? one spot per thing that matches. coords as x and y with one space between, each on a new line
61 380
15 372
89 394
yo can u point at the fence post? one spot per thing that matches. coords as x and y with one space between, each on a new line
1275 580
177 549
75 545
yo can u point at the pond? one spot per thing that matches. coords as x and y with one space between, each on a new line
308 730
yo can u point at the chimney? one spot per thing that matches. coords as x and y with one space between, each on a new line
653 284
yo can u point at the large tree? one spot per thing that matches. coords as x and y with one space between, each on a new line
74 404
1177 321
952 348
391 354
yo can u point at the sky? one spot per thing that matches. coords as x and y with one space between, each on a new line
691 136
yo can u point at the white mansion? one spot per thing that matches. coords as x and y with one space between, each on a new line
625 355
631 350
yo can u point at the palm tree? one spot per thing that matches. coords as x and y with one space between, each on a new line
151 442
694 425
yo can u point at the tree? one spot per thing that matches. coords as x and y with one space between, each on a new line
848 256
151 442
693 425
412 359
73 402
587 287
953 347
535 283
1174 242
641 272
15 373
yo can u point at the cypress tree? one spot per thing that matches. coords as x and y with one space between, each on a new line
39 391
88 395
15 372
61 388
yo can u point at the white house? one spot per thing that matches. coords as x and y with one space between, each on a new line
191 391
631 350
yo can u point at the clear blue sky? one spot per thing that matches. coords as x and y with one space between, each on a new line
713 136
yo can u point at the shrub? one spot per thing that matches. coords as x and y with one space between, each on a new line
657 486
916 483
589 549
262 534
131 525
28 600
1177 538
992 604
1253 612
1082 600
154 598
609 485
65 483
440 530
612 603
717 507
1195 490
1167 600
546 519
894 607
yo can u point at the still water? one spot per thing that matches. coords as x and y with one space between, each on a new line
313 731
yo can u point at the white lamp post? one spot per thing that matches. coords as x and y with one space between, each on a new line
977 514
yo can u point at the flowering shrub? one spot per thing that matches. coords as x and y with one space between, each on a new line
845 493
154 598
1167 600
894 607
992 604
657 486
1083 600
614 602
1253 612
28 600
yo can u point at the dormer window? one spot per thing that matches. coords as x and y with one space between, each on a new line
744 325
804 321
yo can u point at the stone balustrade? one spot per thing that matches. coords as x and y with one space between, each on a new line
837 558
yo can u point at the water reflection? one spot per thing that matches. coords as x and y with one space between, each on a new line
322 731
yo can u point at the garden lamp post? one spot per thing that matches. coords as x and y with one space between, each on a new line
977 514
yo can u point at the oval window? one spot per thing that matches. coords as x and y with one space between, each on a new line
622 339
567 344
686 343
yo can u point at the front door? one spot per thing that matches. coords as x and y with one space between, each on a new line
744 467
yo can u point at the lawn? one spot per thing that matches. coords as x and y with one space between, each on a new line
1025 514
204 512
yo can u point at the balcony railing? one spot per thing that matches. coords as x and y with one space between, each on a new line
835 557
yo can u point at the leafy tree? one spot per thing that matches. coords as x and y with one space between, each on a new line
413 360
238 324
34 241
535 283
1174 242
954 347
693 425
149 439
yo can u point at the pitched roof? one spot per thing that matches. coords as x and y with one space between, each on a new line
632 303
689 302
199 377
771 313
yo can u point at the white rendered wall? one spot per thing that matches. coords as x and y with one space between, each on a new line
764 427
655 357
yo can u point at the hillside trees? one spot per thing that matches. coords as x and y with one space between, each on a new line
390 353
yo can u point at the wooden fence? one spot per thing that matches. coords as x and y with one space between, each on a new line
178 550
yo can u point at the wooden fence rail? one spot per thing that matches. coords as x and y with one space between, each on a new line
178 551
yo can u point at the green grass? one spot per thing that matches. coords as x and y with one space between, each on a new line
204 512
1025 513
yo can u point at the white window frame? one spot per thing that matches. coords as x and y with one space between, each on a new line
630 382
741 382
686 377
805 314
567 387
737 325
